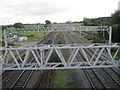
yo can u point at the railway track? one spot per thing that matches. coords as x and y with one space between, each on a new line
96 79
46 81
111 72
23 79
47 76
20 79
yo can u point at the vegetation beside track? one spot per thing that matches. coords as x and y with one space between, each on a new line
33 26
92 37
1 38
33 37
0 34
62 77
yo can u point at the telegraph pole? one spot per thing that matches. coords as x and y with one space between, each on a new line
110 34
38 29
5 39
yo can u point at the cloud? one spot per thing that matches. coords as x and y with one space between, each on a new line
119 5
33 8
30 11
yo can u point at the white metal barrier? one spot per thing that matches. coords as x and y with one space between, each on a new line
39 57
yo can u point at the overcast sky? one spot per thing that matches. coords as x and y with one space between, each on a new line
37 11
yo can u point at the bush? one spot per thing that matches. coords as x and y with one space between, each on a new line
116 33
59 41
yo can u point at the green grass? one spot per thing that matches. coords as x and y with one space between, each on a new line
92 37
89 27
54 57
82 26
33 26
113 50
62 77
0 34
23 34
77 24
62 80
35 37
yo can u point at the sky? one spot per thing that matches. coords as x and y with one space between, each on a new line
37 11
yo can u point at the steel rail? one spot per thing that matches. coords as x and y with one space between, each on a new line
22 74
99 79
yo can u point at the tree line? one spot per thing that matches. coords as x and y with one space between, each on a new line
21 25
113 20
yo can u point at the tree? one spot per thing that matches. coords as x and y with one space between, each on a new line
54 22
116 33
18 25
4 27
87 22
47 22
116 26
69 22
115 17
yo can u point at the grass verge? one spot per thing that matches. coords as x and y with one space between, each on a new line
35 36
62 79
